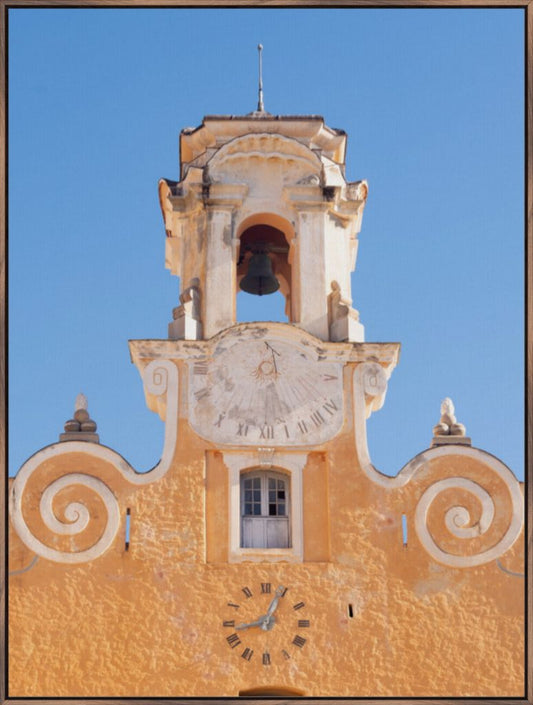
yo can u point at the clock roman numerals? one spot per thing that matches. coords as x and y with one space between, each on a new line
233 640
264 619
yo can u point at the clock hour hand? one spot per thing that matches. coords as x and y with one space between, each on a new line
273 605
257 623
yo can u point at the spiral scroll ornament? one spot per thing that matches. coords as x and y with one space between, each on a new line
160 378
459 522
75 522
374 379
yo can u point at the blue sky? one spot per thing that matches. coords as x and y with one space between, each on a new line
432 101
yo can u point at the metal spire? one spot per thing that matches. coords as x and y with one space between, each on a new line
260 105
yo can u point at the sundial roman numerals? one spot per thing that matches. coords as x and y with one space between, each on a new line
200 368
201 394
317 418
330 407
264 390
266 432
302 426
221 417
242 429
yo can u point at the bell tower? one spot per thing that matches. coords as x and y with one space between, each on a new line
263 203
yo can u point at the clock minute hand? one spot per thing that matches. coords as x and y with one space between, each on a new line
273 605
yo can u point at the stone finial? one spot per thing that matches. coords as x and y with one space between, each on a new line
448 430
81 402
81 427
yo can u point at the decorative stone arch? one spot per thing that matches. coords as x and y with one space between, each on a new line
278 232
238 158
266 459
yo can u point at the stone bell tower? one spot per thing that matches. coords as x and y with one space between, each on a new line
269 184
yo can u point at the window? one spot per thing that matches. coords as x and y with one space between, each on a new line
265 510
259 463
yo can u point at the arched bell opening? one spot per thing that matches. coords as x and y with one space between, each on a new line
264 271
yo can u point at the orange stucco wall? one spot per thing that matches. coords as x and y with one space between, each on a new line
385 619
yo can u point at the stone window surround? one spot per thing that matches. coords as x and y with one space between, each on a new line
291 464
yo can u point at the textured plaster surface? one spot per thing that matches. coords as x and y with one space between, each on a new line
148 621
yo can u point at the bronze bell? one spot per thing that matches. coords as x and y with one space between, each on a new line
260 278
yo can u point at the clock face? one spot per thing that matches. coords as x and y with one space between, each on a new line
266 624
265 392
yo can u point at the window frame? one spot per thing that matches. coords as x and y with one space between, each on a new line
289 464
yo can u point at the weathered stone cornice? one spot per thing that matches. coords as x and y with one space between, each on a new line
143 351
